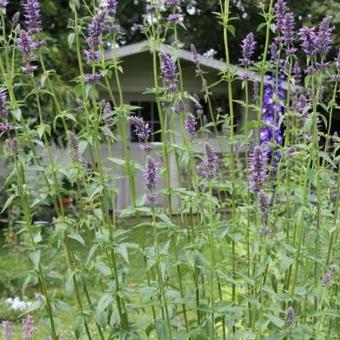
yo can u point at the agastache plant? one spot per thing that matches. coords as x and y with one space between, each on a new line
196 236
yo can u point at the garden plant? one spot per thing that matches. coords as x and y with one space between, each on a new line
244 248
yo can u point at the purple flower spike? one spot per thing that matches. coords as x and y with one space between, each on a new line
142 128
209 166
175 18
172 3
32 16
258 173
271 113
280 10
92 78
151 175
3 4
325 35
110 6
96 29
290 316
27 328
191 125
7 328
3 105
91 55
309 40
169 72
27 47
288 28
248 48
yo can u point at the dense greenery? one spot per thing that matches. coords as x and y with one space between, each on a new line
244 247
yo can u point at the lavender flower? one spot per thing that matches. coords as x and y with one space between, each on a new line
96 28
32 16
324 37
6 127
248 48
27 328
326 279
290 316
3 105
191 125
288 25
169 72
175 18
280 11
92 78
274 52
26 47
110 6
302 105
209 166
172 3
142 128
3 4
258 173
92 55
150 8
271 113
151 175
7 330
309 40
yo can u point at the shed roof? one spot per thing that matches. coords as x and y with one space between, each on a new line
212 63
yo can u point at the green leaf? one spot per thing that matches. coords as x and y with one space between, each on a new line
77 237
276 321
104 302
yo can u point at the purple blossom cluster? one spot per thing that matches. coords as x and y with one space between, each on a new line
28 328
32 16
248 48
141 128
290 316
97 27
285 24
328 276
271 113
5 125
90 78
190 125
27 46
27 41
7 330
3 4
257 168
210 164
151 175
317 41
3 105
169 72
175 18
172 3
